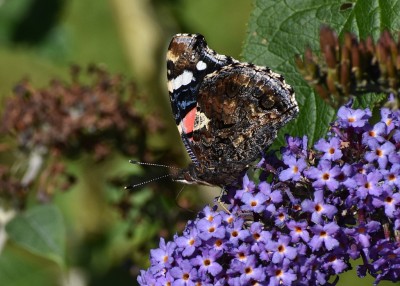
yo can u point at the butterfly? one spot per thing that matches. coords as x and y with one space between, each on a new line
227 112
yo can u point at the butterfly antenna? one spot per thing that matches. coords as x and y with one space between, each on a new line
130 187
152 164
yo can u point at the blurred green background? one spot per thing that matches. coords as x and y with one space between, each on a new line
39 40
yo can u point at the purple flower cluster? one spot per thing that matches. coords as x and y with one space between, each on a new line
309 214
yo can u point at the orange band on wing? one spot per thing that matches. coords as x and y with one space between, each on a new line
188 121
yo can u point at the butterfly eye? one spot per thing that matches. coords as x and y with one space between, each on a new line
266 102
232 89
257 93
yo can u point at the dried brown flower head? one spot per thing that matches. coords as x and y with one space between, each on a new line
353 67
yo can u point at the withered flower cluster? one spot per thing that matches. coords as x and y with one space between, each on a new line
94 113
73 117
353 67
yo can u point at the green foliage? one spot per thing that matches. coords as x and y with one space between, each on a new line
20 268
279 30
40 230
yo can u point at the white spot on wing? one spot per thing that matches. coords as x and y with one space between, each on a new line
180 128
201 121
201 66
170 87
184 79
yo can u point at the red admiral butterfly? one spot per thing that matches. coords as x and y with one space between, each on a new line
226 111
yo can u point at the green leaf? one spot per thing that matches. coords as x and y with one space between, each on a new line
21 268
369 100
40 230
11 13
279 30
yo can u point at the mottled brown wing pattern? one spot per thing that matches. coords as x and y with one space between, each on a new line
240 108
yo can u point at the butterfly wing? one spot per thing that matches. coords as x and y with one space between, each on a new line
240 108
226 111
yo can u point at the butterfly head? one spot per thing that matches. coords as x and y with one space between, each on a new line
190 176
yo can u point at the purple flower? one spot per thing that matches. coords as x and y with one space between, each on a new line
388 200
237 232
392 176
281 249
331 149
295 146
369 184
280 217
354 118
242 253
324 175
254 202
146 278
188 242
162 257
251 271
296 166
298 230
318 208
274 197
379 152
388 118
311 270
336 263
324 235
164 280
208 229
207 262
185 274
209 213
248 187
376 133
362 232
258 234
281 275
346 176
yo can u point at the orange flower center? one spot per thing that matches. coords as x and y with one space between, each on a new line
389 200
207 262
